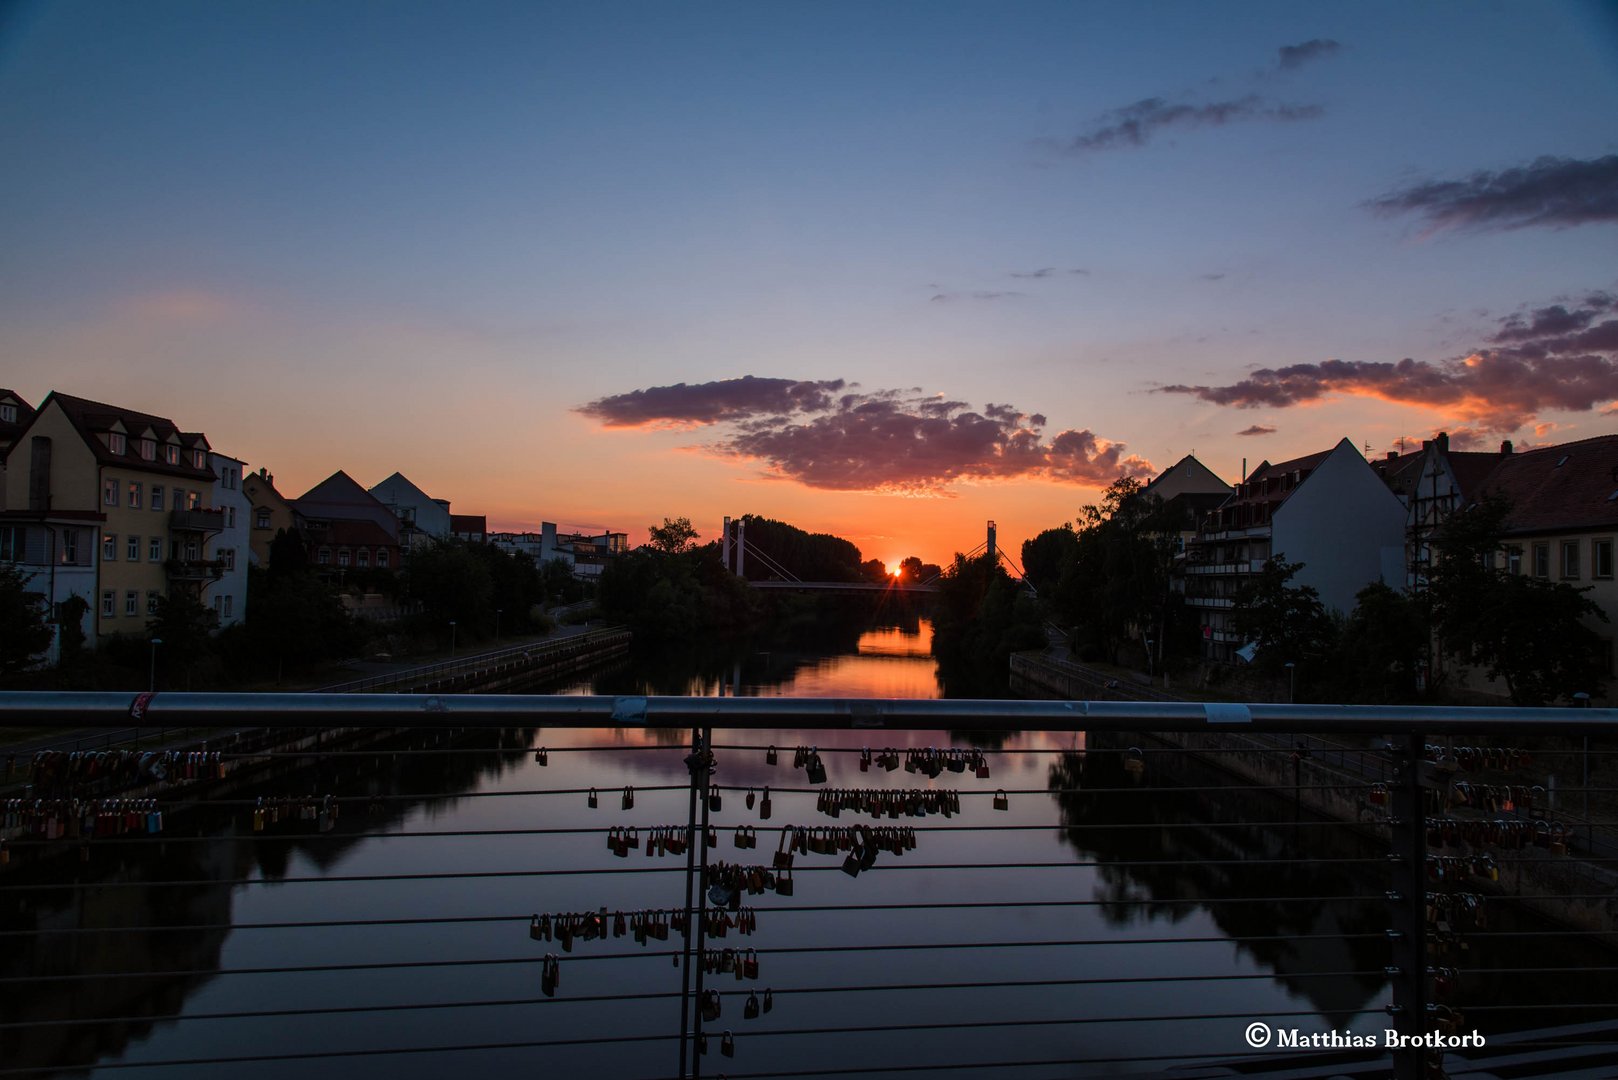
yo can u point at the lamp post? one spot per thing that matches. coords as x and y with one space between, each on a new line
1292 682
151 672
452 639
497 613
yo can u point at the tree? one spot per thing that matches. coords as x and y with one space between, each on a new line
1384 641
185 627
1287 623
983 617
675 536
24 634
70 637
1046 556
1530 633
1116 583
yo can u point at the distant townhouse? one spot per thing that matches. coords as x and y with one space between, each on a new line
346 528
422 518
1330 511
586 555
1190 491
113 505
271 514
1442 481
473 528
231 547
15 413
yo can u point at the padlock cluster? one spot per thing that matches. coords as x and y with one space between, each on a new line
61 768
571 926
1476 758
934 762
661 840
626 801
77 819
1449 911
743 963
1459 867
734 879
1494 798
834 840
889 802
270 811
713 1008
806 758
1512 835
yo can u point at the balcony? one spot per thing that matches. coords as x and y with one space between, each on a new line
198 520
1209 602
194 569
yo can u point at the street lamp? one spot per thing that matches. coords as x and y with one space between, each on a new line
452 639
497 613
151 673
1292 682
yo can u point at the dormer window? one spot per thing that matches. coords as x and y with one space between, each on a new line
171 455
148 449
199 459
8 414
116 442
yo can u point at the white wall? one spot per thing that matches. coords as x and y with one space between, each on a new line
1345 525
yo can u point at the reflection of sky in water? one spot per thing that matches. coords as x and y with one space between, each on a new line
819 986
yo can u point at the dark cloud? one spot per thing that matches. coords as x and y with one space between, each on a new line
711 402
884 441
1552 192
1553 358
1135 125
1212 277
1258 429
1045 272
1295 56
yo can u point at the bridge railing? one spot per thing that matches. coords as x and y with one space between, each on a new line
592 886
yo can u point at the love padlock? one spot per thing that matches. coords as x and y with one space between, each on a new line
751 798
750 964
1001 800
769 756
629 798
750 1010
711 1006
1135 763
727 1044
592 800
814 768
550 975
542 756
764 806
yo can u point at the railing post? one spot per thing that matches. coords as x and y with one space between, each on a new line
1407 902
699 763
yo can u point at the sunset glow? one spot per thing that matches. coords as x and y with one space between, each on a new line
554 264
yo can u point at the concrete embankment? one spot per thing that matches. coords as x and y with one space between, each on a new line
1334 781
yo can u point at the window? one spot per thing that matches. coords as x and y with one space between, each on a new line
148 449
8 414
109 492
261 518
324 558
131 603
382 558
109 604
157 497
13 543
70 547
1514 560
230 602
192 554
132 549
228 557
171 455
199 459
109 547
342 557
1601 559
151 602
193 500
117 443
230 517
135 487
1570 560
1542 560
362 558
154 549
218 605
179 499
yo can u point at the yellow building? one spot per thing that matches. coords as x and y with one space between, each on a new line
125 493
271 514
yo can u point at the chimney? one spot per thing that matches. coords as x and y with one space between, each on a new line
1442 439
1505 446
1393 455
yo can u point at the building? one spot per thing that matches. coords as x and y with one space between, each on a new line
422 518
347 528
1190 491
15 413
271 514
1441 482
1330 511
231 548
112 499
586 555
473 528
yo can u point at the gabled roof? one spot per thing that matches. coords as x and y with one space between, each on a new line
339 488
1259 477
10 429
92 419
1557 488
399 488
352 532
1401 471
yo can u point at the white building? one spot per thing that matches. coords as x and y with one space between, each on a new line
230 547
422 518
1329 511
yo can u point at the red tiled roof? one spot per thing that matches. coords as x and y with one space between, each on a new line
353 532
1265 471
469 523
1558 488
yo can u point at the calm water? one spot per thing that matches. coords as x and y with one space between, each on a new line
818 982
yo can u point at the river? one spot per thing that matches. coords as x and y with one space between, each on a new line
296 940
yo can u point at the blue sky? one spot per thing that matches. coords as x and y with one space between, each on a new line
421 236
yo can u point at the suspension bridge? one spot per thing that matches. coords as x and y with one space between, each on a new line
735 550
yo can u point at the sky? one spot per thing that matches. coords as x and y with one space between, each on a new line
885 270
